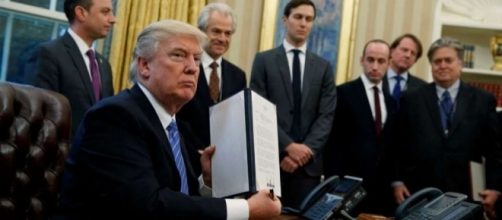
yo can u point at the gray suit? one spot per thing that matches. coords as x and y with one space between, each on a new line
60 67
270 78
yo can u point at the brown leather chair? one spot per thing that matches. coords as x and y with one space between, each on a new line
34 142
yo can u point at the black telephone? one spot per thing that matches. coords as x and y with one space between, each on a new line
432 203
330 197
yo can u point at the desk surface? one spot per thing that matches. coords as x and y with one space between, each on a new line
362 216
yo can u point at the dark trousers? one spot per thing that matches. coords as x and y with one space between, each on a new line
296 186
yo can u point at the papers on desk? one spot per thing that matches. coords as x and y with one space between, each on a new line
244 130
478 182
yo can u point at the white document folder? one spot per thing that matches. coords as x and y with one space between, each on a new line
244 130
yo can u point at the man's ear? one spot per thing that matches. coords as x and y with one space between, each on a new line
80 13
143 68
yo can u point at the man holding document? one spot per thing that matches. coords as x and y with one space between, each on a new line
129 158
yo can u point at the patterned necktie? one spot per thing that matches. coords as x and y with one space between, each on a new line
396 92
95 76
378 111
214 83
446 110
297 97
174 140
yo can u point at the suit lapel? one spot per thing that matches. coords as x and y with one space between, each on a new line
431 100
203 88
74 53
157 129
461 105
282 63
311 69
225 79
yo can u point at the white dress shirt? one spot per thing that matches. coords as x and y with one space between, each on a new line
368 88
290 54
83 48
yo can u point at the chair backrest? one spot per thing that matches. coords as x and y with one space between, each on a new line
34 142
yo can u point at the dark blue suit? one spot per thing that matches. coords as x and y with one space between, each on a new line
121 167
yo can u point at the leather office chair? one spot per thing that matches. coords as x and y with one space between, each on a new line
34 142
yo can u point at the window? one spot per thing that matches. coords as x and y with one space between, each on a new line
25 24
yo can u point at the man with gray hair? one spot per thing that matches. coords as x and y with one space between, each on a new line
443 126
219 78
129 157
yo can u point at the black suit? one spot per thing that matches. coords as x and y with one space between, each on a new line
355 149
61 68
429 158
121 167
196 112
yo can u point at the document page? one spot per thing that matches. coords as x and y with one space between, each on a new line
478 182
228 133
266 144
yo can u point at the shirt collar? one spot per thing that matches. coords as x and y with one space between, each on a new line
453 89
82 46
288 47
391 74
207 60
369 85
164 117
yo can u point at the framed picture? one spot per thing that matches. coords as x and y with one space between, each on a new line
330 37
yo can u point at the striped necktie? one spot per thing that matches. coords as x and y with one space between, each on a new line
174 140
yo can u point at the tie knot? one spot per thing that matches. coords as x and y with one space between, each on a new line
172 126
214 65
296 51
375 89
398 78
446 95
91 55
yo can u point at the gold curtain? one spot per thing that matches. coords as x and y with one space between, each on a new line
132 17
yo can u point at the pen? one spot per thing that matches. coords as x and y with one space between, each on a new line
271 194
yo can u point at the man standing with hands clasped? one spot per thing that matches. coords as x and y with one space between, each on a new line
301 85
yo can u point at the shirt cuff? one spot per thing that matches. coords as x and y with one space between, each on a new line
237 209
397 183
204 190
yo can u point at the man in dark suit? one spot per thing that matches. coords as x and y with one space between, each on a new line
442 127
301 85
64 65
129 158
404 53
358 139
217 20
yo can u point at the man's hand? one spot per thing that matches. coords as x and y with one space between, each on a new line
289 165
400 193
261 206
489 199
300 153
205 162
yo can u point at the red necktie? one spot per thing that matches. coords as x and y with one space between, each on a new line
95 76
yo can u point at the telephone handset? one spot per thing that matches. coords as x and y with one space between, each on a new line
431 203
329 197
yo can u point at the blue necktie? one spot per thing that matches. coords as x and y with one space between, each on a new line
396 92
446 109
297 98
174 140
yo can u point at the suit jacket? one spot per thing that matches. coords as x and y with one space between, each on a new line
354 147
429 158
196 111
121 167
271 78
60 67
